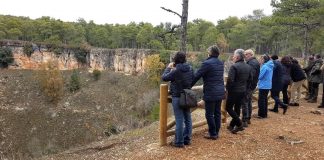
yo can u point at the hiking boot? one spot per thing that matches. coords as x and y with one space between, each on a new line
320 106
248 121
230 128
313 100
237 129
285 108
211 137
245 124
274 110
176 145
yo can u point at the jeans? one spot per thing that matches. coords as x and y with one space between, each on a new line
263 103
234 100
247 106
213 117
182 116
275 96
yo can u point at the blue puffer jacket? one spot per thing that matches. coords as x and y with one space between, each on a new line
212 72
265 76
181 78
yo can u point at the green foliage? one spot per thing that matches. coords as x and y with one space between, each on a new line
28 49
51 81
165 56
96 74
155 112
6 57
80 53
75 83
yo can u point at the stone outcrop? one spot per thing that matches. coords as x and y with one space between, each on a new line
129 61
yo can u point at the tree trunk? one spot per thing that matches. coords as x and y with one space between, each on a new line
306 48
184 19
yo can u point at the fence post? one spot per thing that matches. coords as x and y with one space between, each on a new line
163 113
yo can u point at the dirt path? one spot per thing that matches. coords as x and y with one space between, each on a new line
297 135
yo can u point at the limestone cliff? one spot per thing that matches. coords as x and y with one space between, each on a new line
129 61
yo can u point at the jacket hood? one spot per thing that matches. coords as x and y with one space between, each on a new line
269 64
184 67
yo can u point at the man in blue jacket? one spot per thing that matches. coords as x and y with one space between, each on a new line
212 71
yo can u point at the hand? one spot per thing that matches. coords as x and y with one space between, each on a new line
171 65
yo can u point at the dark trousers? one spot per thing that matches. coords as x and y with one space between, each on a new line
263 103
247 106
275 96
213 116
309 90
233 107
314 90
285 98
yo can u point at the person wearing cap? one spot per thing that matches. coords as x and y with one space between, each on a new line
264 85
212 72
239 79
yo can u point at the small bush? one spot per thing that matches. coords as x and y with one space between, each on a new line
28 49
155 112
6 57
80 54
96 74
75 81
154 68
51 81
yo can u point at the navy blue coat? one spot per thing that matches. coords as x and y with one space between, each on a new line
212 72
277 76
181 78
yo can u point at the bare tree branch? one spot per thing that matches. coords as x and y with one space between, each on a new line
169 10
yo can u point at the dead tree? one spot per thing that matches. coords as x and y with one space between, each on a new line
183 26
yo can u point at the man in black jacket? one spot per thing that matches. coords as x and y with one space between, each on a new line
212 72
239 78
255 70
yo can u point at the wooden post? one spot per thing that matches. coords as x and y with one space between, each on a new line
163 113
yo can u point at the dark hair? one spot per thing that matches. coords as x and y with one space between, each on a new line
266 58
274 57
213 51
179 57
286 60
318 56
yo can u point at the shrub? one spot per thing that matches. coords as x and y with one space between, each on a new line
75 81
80 53
154 68
28 49
96 74
6 57
51 81
155 112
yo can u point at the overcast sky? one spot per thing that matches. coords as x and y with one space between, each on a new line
126 11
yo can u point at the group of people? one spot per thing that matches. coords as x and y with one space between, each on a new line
244 76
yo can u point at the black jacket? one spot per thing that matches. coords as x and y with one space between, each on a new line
296 73
253 62
212 72
277 76
181 78
239 77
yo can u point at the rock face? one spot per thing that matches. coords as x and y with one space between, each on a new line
129 61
